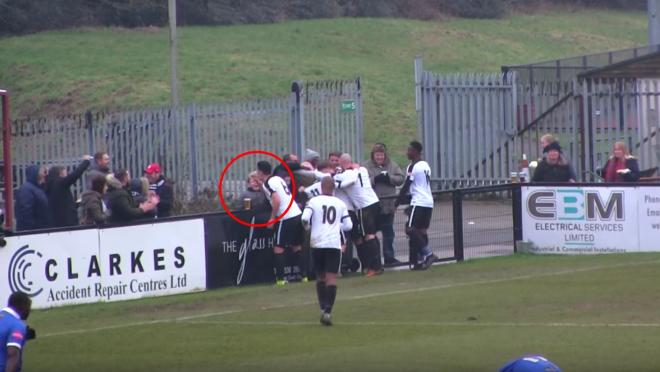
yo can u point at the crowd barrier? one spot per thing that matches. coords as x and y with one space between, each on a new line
195 253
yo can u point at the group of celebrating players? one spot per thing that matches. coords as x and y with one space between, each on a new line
344 204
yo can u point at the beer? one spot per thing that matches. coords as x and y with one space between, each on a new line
247 203
514 177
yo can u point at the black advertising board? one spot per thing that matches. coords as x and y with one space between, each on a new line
237 254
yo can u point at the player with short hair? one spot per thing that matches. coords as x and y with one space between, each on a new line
356 182
418 184
326 215
14 332
287 232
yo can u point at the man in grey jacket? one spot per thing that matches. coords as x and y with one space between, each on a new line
385 176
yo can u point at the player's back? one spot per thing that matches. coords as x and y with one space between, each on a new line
276 185
357 185
328 213
419 174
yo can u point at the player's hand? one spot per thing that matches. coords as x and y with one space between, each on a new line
31 334
343 248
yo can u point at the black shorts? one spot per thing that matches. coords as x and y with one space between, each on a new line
420 217
354 234
327 260
368 219
288 233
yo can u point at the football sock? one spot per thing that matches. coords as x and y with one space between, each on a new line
362 255
331 293
280 261
298 260
321 293
416 243
374 254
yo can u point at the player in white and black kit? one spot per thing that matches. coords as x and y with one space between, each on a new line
355 181
288 231
326 216
418 184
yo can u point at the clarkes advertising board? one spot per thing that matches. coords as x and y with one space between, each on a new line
112 264
580 220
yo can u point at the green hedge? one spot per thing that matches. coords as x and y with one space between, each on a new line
25 16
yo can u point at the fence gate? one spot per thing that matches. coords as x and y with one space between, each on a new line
467 125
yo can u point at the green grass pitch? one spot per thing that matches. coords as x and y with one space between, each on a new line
597 313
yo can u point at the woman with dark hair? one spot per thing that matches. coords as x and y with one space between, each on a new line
554 167
92 209
58 189
621 166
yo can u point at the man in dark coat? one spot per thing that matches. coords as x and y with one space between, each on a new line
32 210
58 188
120 201
162 187
100 167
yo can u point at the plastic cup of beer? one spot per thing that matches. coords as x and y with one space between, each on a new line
247 203
514 177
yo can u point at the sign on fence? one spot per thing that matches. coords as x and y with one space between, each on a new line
98 265
589 220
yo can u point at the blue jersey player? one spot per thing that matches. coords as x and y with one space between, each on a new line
14 332
530 363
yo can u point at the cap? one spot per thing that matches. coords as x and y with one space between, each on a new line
152 168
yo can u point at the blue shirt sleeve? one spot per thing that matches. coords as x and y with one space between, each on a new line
17 336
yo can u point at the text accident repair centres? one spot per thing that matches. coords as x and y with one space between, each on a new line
113 264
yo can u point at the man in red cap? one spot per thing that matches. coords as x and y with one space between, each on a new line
162 187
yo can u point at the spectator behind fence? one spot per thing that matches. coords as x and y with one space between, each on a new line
92 210
139 189
32 209
120 202
100 167
254 193
58 189
312 159
162 187
554 167
385 176
545 141
621 166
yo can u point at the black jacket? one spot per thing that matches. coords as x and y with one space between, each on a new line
62 206
546 172
165 191
32 210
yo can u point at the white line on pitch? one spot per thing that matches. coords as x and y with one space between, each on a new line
432 324
358 297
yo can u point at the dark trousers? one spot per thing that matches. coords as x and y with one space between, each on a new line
386 224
